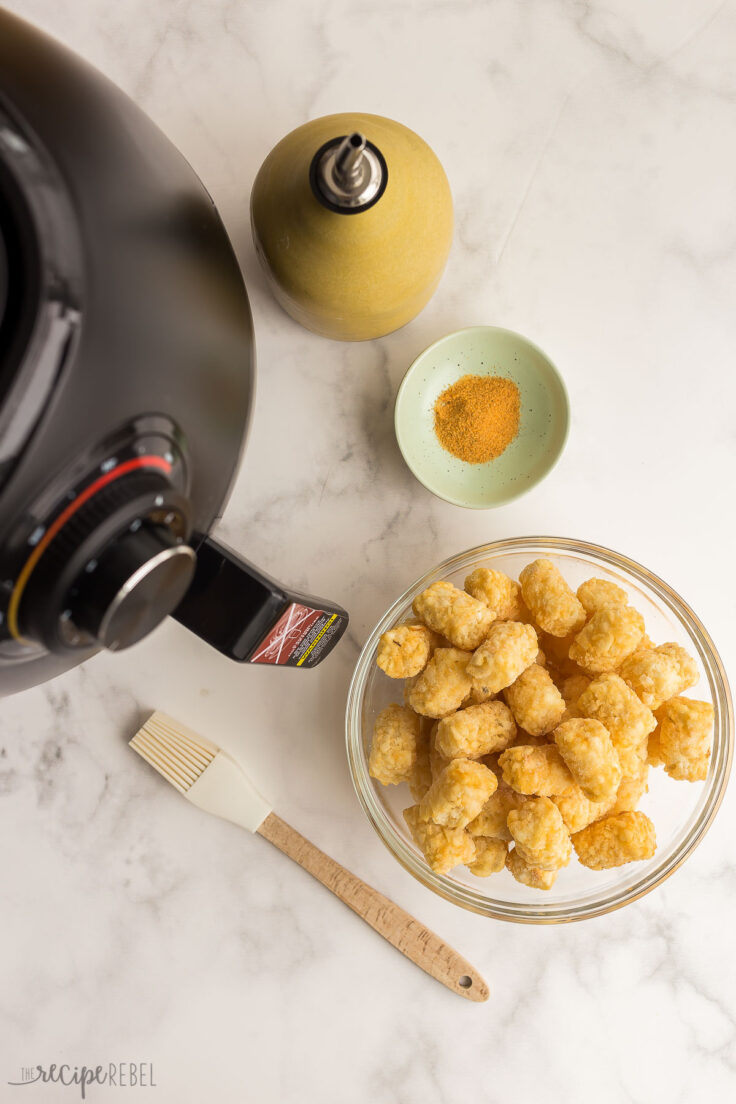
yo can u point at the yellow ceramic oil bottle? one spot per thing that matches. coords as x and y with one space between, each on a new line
352 221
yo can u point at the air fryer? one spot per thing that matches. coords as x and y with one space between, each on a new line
126 379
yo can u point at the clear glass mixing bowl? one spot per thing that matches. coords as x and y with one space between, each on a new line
682 812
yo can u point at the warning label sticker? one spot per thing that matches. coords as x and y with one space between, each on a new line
298 638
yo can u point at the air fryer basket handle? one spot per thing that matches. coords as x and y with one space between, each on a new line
251 618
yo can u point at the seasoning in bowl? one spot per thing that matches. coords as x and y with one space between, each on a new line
477 417
558 763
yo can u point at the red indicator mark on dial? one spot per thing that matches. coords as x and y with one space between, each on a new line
60 522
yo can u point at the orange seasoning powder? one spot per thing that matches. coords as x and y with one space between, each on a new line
478 417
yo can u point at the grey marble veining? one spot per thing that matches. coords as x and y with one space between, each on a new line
590 148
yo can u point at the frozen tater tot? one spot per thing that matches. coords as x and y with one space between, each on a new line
475 731
552 603
631 790
615 840
498 592
535 770
535 701
577 810
404 650
591 758
492 819
659 674
420 778
609 700
685 733
609 637
595 594
394 747
509 649
532 876
482 693
459 617
443 848
490 856
458 794
443 685
540 835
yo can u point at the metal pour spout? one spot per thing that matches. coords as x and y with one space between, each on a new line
349 160
349 174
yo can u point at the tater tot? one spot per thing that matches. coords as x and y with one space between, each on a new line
420 778
492 819
490 856
615 840
532 876
497 591
630 791
443 685
591 758
535 701
535 770
475 731
539 833
577 810
443 848
595 594
462 619
458 794
404 650
552 603
394 747
609 700
509 649
659 674
685 735
610 636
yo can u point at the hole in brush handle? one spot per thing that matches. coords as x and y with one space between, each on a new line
251 618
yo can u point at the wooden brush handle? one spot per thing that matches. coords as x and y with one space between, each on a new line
418 943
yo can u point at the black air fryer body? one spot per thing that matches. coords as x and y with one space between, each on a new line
126 377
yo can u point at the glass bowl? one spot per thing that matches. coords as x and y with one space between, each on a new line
682 812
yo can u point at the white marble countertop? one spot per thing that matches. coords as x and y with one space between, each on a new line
590 148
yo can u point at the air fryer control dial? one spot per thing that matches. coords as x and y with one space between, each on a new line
137 581
109 560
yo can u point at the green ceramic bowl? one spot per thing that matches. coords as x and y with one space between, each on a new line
545 415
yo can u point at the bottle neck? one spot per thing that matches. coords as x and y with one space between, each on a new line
348 174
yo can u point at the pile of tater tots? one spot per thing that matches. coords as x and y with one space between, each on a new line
531 717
